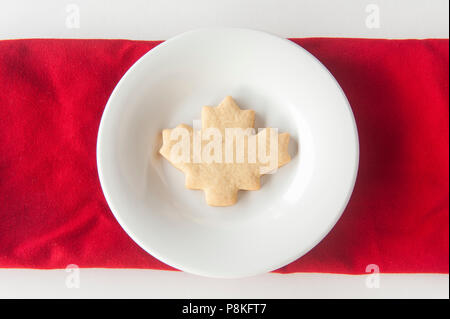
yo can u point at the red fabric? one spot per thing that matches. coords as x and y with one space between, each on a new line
53 213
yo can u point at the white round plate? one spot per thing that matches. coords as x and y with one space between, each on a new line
294 209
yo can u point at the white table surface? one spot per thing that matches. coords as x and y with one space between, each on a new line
161 19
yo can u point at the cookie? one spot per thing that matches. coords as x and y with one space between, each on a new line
226 155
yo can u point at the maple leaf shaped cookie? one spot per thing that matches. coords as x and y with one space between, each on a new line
225 156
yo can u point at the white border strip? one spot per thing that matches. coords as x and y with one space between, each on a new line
163 19
135 283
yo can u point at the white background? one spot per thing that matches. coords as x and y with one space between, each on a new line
161 19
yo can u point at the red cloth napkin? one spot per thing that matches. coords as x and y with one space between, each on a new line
53 213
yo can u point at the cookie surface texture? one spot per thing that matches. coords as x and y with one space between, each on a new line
225 155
